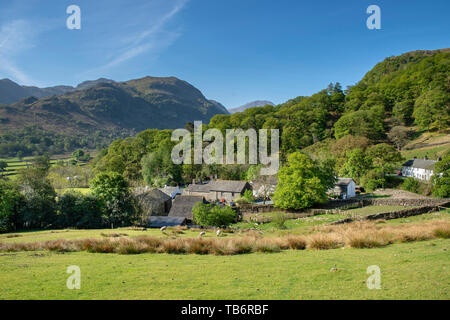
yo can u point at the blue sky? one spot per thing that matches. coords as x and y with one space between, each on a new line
234 51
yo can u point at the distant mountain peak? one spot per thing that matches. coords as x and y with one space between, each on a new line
253 104
91 83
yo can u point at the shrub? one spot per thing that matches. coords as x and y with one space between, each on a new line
79 211
323 242
212 215
296 243
248 195
279 219
410 184
442 233
10 203
373 184
371 239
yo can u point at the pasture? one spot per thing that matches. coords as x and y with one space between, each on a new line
410 269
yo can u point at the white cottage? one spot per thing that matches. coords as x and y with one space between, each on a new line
422 169
344 188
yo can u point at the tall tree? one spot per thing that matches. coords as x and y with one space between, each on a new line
384 156
302 183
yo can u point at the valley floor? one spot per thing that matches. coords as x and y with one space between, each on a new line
418 270
409 270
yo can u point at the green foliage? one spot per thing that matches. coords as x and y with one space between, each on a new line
40 196
125 156
357 164
364 123
112 190
248 195
432 110
10 203
302 183
441 178
279 219
253 172
385 157
3 166
79 211
158 168
410 184
373 184
372 180
213 216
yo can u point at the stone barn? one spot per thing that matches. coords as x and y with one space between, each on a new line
344 188
183 205
218 190
154 203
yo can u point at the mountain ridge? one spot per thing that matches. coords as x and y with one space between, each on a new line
107 109
252 104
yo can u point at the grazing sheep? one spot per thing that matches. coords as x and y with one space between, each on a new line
163 229
202 234
219 232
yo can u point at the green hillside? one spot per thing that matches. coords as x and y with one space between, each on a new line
95 116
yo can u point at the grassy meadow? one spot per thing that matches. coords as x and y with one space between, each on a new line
411 268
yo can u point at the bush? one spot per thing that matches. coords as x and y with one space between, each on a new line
248 195
212 215
411 185
373 184
279 219
10 206
79 211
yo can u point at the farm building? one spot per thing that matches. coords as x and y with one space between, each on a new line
182 206
158 222
154 203
422 169
344 188
218 190
171 191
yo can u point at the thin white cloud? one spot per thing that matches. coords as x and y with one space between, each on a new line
15 37
154 38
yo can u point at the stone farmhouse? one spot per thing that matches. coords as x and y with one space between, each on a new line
219 190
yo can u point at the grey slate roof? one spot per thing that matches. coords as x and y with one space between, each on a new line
154 195
229 186
199 187
420 164
169 190
344 181
219 185
158 222
182 206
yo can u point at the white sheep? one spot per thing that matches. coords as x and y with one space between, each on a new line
202 234
219 232
163 229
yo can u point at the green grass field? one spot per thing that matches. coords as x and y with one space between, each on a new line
416 270
408 271
15 164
